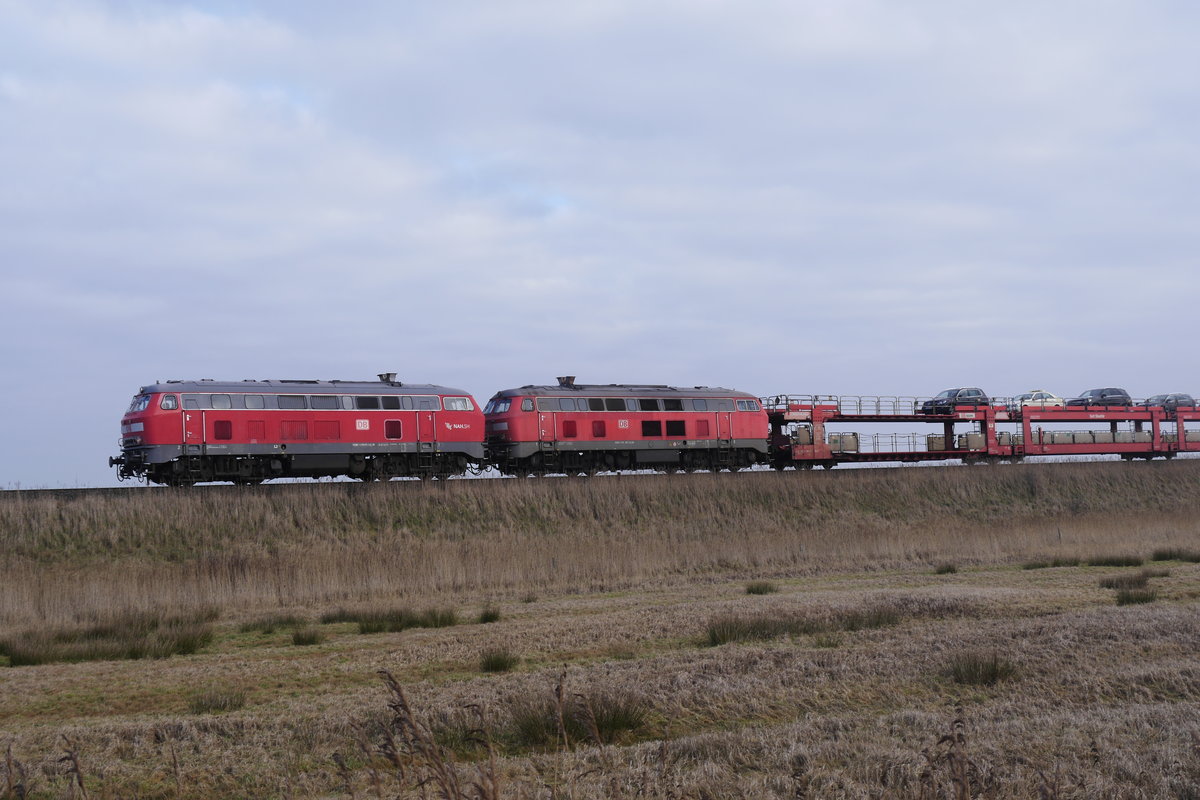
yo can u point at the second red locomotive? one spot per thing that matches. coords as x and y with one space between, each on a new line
573 428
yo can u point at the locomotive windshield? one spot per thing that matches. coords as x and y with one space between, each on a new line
140 403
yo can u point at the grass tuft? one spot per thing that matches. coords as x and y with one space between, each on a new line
1133 580
1116 561
945 569
217 700
608 716
132 635
272 623
540 721
1129 597
761 587
876 616
497 659
734 628
980 669
302 637
728 628
1128 580
1176 554
490 613
393 620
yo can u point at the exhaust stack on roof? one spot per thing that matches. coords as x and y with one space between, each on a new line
566 381
387 377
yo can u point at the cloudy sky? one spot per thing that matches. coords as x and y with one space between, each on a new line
858 197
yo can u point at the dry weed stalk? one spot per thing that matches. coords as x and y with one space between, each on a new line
16 780
963 779
70 758
412 748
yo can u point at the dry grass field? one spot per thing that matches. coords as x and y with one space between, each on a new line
1006 632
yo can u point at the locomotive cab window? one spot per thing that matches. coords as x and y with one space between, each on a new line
366 403
456 404
700 405
427 404
169 402
527 404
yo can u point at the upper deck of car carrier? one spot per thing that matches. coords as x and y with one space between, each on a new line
808 430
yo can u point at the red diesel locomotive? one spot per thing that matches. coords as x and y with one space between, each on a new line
185 432
591 428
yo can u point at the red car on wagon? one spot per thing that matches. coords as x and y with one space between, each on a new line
572 428
185 432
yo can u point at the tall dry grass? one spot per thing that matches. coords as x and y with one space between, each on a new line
329 544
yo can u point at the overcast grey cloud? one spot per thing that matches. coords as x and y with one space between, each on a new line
861 197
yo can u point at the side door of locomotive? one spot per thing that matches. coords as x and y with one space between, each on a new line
724 419
427 408
194 423
547 422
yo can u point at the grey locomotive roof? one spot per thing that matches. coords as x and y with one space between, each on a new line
300 387
621 390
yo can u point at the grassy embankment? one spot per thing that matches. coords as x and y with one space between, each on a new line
751 635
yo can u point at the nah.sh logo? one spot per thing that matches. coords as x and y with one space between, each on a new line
458 426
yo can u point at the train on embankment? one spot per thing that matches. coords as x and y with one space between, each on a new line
180 433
